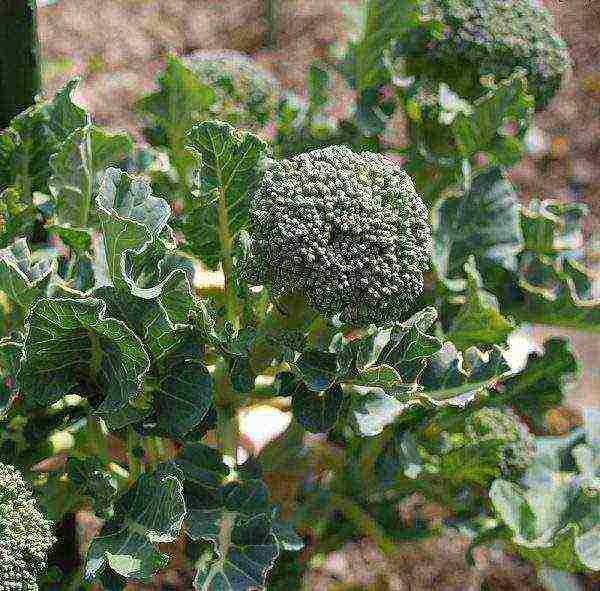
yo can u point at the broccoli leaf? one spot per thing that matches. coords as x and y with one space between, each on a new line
130 219
482 129
150 513
484 222
76 170
241 530
230 168
181 101
185 391
479 321
21 279
102 354
317 411
40 131
555 287
543 382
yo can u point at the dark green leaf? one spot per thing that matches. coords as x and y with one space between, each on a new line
152 512
70 345
317 411
22 279
542 383
318 369
231 166
484 222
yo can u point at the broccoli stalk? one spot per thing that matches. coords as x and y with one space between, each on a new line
345 231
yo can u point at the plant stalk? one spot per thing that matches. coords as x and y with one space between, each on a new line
363 522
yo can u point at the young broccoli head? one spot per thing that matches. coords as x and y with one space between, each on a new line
347 230
459 41
246 94
25 535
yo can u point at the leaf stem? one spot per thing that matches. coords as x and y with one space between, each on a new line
135 464
227 260
97 439
363 522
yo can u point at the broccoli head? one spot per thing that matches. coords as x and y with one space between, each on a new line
460 41
246 95
517 444
345 229
25 535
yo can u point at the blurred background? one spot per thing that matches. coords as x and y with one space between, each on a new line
118 46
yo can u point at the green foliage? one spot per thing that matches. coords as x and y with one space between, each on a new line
124 376
553 518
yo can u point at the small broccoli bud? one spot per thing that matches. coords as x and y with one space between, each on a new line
518 445
346 230
25 535
246 95
472 39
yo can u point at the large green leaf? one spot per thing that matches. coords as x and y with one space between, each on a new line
72 346
231 166
22 279
479 321
185 392
151 512
385 20
241 530
181 101
76 170
131 219
483 129
543 382
316 411
247 550
484 222
40 131
555 287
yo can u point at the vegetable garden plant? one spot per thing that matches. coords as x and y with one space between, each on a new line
368 288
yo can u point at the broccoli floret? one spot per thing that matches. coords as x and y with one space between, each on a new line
25 535
460 41
503 425
246 95
345 229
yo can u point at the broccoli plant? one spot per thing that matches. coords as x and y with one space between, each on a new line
370 300
26 535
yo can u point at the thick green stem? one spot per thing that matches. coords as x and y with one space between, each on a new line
363 522
97 439
227 421
227 259
20 76
134 446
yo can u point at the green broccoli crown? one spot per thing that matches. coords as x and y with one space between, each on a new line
25 535
518 444
246 94
459 41
347 230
